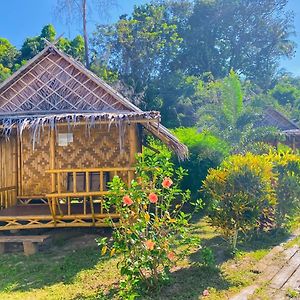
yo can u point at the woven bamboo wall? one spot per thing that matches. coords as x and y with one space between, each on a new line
8 162
34 163
97 147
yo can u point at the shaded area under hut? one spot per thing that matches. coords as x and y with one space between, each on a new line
64 134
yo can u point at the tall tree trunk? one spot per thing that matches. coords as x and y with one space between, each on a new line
85 35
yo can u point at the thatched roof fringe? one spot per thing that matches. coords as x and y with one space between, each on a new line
169 139
37 124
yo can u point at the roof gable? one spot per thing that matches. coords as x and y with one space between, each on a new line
273 117
54 82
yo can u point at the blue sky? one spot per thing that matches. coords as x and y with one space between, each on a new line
24 18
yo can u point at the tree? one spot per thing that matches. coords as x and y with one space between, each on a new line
249 36
78 10
8 54
231 118
4 73
33 45
139 46
74 47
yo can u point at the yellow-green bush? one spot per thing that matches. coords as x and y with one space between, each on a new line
241 192
287 167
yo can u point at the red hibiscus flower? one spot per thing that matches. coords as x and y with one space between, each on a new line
171 255
167 182
149 244
153 198
127 200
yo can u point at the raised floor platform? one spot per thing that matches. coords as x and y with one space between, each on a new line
40 216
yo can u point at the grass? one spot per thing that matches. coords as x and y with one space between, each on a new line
74 269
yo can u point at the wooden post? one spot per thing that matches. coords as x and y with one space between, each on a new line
87 182
101 180
92 210
74 182
29 248
133 144
52 158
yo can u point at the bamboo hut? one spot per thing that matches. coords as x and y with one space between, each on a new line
64 133
289 129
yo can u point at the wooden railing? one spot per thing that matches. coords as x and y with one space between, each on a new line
85 187
8 196
61 187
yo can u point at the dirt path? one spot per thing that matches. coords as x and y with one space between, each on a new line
279 274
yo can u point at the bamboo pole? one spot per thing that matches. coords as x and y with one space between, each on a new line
101 180
133 144
74 182
52 159
92 210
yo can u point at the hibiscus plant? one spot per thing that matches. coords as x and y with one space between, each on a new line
152 233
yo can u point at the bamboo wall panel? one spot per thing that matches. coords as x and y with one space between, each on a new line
8 171
8 162
94 148
34 163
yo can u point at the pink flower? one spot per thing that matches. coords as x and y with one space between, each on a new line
205 293
149 244
167 182
153 198
127 200
171 255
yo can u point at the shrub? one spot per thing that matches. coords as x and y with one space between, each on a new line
207 257
241 192
206 151
152 224
287 168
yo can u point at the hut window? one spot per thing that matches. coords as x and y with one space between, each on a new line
81 183
64 139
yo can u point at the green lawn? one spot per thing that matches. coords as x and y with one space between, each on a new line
74 269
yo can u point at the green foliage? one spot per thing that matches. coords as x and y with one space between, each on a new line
152 225
287 168
103 72
232 96
207 257
4 73
205 151
285 93
140 45
74 47
33 45
8 54
11 59
228 34
241 192
232 118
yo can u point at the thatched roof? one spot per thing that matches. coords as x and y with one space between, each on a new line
53 87
273 117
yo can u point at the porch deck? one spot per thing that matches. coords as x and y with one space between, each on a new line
43 210
72 203
40 216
